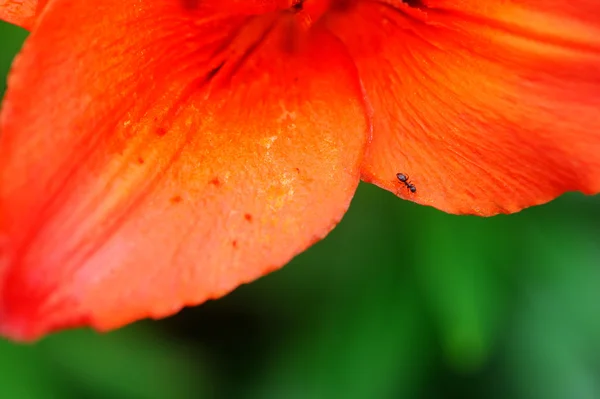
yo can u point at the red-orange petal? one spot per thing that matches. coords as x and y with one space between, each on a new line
164 155
490 106
21 12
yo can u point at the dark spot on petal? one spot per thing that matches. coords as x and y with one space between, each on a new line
343 5
140 160
190 4
211 74
415 4
234 243
215 182
176 199
248 217
298 5
161 131
297 170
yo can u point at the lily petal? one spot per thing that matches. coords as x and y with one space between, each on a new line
490 106
186 153
21 12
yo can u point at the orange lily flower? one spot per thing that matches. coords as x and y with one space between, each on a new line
155 154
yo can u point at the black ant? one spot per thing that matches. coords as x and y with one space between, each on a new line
404 179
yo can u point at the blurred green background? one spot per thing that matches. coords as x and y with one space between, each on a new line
400 301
